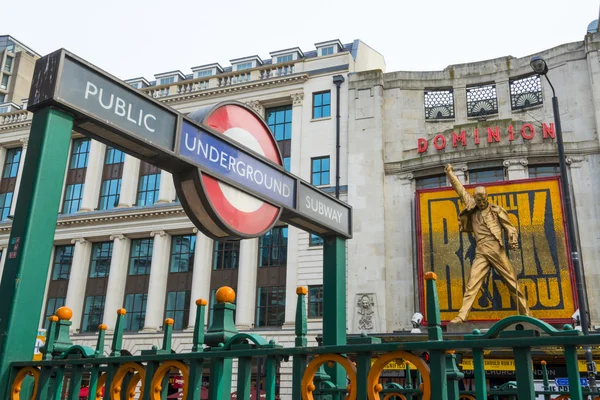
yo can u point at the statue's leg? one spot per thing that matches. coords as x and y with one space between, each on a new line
479 270
501 263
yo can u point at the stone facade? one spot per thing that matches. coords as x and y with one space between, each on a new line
391 145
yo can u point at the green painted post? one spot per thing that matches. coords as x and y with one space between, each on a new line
334 301
437 358
408 384
244 377
195 379
117 342
270 372
301 329
575 391
363 366
546 384
220 378
94 375
151 368
165 387
453 375
524 372
44 383
168 334
56 384
31 238
100 342
48 348
198 339
75 381
111 370
479 371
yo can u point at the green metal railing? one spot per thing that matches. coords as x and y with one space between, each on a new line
145 376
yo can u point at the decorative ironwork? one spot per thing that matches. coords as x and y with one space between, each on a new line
439 104
525 92
482 100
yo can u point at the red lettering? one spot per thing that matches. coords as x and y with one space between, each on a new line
439 142
511 133
548 130
462 137
421 145
493 134
476 135
525 128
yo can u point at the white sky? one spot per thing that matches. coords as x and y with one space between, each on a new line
131 38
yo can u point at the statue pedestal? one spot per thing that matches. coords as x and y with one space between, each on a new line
468 327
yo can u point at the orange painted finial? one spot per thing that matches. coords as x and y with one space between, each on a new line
543 362
302 290
430 276
121 311
102 327
169 321
64 313
225 294
53 318
201 302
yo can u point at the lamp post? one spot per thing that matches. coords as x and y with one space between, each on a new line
539 66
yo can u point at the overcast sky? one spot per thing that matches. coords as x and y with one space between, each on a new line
131 38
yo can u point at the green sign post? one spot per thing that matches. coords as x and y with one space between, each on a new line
68 93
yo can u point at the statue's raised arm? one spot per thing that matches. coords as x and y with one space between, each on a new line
466 198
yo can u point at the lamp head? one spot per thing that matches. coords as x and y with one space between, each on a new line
538 65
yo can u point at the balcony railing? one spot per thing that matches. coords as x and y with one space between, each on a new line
15 117
265 72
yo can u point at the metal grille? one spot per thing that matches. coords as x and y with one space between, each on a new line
482 100
525 92
439 104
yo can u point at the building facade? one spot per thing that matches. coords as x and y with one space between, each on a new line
16 70
493 121
123 240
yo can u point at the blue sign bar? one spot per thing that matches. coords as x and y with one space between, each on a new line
223 160
565 382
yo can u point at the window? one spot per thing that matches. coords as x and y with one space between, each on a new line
178 308
270 306
9 180
52 304
325 51
279 120
286 58
75 181
135 304
319 171
226 255
525 92
148 185
486 175
8 64
439 104
273 248
315 240
111 179
315 301
182 253
135 85
431 182
201 74
2 100
63 258
482 100
4 82
164 81
100 262
242 66
93 312
140 258
321 104
543 171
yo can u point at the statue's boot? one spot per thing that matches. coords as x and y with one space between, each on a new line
457 320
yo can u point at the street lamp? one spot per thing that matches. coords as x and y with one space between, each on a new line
539 66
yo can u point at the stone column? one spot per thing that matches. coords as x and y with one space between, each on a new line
246 287
516 168
460 104
291 278
93 176
78 280
19 176
503 95
296 152
157 287
116 279
460 170
3 259
201 275
166 192
129 182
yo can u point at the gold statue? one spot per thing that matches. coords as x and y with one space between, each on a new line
486 222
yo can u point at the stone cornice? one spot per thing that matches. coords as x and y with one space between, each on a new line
252 85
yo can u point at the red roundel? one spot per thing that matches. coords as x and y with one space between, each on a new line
242 212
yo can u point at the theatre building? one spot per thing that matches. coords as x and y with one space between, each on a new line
123 240
493 121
